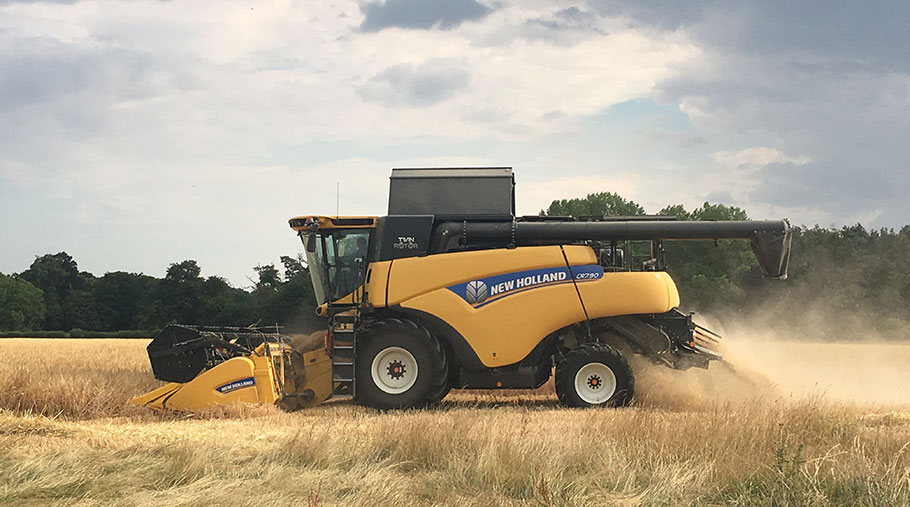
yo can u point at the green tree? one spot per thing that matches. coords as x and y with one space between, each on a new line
222 304
79 309
178 295
597 205
296 297
287 301
21 304
122 300
710 274
294 267
56 275
269 278
265 295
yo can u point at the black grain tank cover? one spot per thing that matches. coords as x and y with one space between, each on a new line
453 192
399 236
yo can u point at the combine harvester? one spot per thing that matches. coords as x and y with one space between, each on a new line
452 290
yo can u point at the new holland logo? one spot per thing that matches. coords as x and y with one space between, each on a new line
476 292
487 290
236 384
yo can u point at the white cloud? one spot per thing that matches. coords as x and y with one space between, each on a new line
190 128
754 158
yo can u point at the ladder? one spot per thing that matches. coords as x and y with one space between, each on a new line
344 328
344 325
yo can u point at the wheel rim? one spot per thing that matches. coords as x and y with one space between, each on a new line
394 370
595 383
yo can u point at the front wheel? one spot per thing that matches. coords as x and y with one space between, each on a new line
399 365
592 375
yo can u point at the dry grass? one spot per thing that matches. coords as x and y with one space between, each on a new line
67 436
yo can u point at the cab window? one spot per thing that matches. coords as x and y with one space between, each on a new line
338 262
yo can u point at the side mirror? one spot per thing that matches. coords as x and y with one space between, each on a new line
310 242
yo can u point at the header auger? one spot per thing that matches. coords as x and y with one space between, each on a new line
452 290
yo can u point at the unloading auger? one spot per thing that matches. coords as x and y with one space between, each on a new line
452 290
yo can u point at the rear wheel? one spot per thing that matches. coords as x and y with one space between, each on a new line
399 365
592 375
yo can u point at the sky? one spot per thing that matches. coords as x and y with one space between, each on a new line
142 133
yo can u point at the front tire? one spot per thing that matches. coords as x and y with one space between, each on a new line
399 365
594 375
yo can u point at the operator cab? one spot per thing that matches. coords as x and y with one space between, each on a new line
337 251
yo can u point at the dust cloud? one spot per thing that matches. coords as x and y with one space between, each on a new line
760 367
306 342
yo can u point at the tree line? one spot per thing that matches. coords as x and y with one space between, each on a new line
842 281
53 294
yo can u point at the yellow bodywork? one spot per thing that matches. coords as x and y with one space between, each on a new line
277 376
565 286
503 331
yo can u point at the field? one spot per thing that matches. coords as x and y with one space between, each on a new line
816 424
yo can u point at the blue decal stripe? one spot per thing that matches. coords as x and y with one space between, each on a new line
236 384
519 291
482 291
587 272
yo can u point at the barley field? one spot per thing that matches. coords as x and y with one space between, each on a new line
779 424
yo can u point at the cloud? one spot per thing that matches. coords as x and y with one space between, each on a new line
10 2
753 158
823 187
422 85
829 83
133 134
420 14
681 139
565 27
571 18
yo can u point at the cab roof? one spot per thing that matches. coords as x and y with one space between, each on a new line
306 222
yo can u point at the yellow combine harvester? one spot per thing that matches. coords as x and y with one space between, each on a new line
452 290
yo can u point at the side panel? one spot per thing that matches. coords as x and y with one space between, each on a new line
377 282
579 255
240 379
506 330
420 275
626 293
503 302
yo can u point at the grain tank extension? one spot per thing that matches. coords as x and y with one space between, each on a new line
452 290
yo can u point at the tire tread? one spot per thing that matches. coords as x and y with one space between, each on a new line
439 367
565 375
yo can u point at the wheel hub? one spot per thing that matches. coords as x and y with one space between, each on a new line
394 370
595 383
